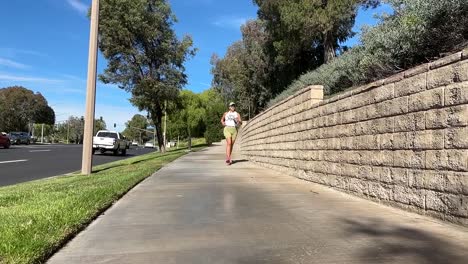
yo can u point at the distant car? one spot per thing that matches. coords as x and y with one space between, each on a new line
110 141
20 138
134 143
149 145
5 140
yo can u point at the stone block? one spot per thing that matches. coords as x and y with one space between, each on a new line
402 140
456 138
382 93
385 174
366 142
426 100
461 71
417 198
398 176
456 93
441 77
386 141
429 139
380 191
457 182
377 158
447 117
409 159
316 94
352 157
348 117
400 194
465 53
446 60
358 186
411 85
435 202
416 70
454 160
394 78
409 122
395 106
427 179
381 125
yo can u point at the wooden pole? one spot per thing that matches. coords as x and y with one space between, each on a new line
87 162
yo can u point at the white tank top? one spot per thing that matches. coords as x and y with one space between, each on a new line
231 119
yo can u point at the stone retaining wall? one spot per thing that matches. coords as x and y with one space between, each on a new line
401 141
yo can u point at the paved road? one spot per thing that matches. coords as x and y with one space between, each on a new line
199 211
25 163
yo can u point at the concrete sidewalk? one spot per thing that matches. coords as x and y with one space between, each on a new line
198 210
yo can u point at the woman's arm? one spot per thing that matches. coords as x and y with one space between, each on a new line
239 120
223 119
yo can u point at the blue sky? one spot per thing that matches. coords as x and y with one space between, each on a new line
44 47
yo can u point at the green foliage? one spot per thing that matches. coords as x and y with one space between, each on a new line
243 75
417 32
99 124
288 39
189 116
214 108
135 129
70 131
309 28
144 55
196 115
20 107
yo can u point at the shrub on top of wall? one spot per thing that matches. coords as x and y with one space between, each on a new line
418 31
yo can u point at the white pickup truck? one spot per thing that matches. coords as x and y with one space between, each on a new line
110 141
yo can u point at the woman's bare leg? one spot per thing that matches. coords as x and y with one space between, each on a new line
232 147
228 148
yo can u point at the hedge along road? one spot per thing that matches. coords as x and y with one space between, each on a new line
26 163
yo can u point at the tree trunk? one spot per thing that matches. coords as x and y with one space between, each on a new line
329 47
157 120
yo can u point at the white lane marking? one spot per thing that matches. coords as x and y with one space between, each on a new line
12 161
44 150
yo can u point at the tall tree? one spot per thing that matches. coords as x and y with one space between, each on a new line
214 110
21 107
144 55
192 114
135 128
243 75
230 75
99 124
306 27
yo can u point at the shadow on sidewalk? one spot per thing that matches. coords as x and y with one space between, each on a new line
239 161
396 242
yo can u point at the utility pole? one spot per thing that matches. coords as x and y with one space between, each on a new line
165 124
87 161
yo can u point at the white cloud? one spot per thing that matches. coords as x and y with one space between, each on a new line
206 85
15 78
78 6
230 22
73 91
12 64
9 52
73 78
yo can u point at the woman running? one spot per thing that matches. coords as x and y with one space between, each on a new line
231 120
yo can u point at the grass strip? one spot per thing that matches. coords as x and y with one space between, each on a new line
37 218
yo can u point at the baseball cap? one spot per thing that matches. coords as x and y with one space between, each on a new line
232 104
